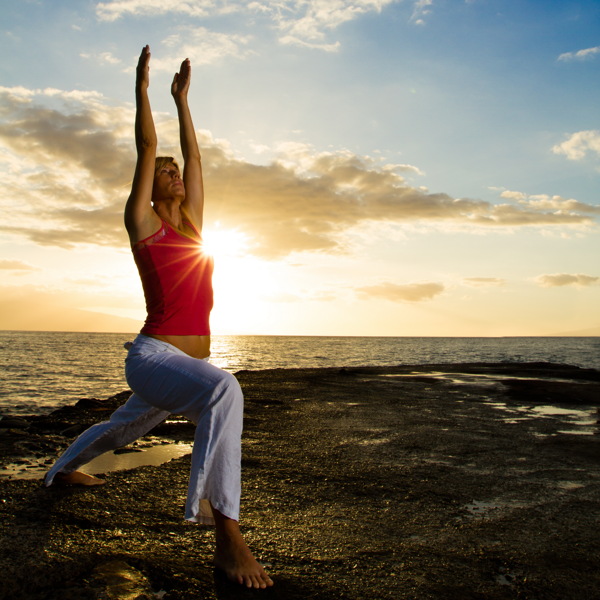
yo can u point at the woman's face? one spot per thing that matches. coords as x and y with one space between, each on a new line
168 183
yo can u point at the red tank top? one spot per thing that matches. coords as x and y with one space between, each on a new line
177 280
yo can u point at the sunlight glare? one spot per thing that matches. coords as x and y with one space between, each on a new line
224 243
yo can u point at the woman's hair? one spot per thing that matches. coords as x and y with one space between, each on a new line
163 161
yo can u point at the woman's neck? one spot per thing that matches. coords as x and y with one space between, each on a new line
171 213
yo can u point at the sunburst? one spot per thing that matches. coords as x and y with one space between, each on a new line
224 243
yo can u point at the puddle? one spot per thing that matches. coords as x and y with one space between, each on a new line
151 456
552 411
374 441
576 421
479 508
584 420
483 509
478 379
570 485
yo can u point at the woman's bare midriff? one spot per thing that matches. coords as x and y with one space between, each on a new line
197 346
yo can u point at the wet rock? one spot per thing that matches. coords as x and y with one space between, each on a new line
376 484
117 580
90 403
553 392
8 422
73 430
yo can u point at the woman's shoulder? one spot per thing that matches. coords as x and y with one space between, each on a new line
153 237
191 227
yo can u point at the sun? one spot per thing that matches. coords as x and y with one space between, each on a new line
224 243
242 282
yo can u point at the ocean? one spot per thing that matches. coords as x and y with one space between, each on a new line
41 371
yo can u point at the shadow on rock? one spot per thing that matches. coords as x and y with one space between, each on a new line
28 515
285 588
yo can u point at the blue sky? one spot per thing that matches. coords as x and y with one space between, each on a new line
373 167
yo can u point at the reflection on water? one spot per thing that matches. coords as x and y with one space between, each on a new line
581 421
105 463
153 456
43 370
236 352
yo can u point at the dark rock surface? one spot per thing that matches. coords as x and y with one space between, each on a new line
414 482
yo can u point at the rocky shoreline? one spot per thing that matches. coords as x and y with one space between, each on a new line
471 481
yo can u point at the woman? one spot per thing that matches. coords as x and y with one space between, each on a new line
165 366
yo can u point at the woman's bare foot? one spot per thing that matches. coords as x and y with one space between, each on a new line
79 478
234 557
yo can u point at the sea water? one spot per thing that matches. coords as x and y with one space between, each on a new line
40 371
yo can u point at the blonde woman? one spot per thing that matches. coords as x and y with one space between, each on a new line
166 366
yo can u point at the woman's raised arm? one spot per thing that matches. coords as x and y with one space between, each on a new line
140 219
193 205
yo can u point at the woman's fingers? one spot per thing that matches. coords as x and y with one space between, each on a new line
181 80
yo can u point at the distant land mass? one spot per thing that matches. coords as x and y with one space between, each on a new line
591 332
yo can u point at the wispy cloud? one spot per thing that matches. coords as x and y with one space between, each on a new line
16 265
307 22
584 54
563 279
410 292
102 58
484 281
202 47
545 202
299 22
70 157
421 9
579 144
117 9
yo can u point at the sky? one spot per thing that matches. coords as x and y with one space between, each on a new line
372 167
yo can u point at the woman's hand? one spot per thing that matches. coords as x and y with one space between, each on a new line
181 81
143 69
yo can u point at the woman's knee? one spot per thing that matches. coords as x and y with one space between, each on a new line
223 397
229 389
231 383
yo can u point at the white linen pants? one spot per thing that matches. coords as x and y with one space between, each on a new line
165 380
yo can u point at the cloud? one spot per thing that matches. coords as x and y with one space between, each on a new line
299 22
585 54
411 292
484 281
202 47
306 200
70 158
16 265
563 279
117 9
75 133
103 58
421 9
295 41
555 204
307 22
577 146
